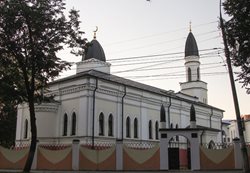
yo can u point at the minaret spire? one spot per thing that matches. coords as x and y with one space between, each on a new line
190 26
95 31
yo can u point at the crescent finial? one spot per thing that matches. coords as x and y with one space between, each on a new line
95 32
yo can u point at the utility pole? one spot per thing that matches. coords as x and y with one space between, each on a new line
235 98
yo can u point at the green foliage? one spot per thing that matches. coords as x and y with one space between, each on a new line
32 32
238 37
7 125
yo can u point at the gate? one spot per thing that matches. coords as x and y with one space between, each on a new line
173 158
179 153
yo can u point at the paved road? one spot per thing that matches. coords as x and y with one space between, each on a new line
176 171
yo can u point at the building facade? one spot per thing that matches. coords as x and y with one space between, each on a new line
233 131
94 105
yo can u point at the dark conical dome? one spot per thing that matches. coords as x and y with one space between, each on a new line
95 50
191 48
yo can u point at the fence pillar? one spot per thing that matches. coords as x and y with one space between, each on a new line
163 151
237 154
34 163
195 152
75 154
119 155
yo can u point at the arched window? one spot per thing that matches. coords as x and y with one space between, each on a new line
101 124
189 75
198 73
26 129
150 129
171 125
211 145
177 137
156 130
135 128
73 127
110 130
65 124
163 114
128 127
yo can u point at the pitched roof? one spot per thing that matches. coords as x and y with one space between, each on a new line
130 83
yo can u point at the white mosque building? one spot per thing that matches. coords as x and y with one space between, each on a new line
94 105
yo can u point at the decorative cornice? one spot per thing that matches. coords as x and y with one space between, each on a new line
93 60
47 107
71 89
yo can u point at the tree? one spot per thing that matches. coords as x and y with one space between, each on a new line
7 124
228 55
10 96
238 37
31 33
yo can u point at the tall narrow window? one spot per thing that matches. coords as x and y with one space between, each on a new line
65 124
26 129
177 137
73 127
101 124
156 130
110 131
135 128
189 75
128 127
163 114
198 73
150 129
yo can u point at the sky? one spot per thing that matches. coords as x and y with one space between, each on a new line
145 41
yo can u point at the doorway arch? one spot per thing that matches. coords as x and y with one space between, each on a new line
190 134
179 153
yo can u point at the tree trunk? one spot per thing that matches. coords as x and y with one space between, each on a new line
235 98
33 144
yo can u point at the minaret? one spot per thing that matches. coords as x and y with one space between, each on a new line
193 85
94 59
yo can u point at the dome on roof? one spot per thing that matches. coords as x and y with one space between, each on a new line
191 48
95 50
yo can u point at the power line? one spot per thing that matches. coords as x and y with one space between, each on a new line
166 41
168 67
156 55
176 77
160 34
170 75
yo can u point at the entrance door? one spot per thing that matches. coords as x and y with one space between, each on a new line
173 158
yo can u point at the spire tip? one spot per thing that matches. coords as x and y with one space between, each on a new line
190 26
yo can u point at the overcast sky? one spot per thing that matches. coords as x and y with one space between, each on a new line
137 28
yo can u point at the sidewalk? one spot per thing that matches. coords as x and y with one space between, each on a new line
171 171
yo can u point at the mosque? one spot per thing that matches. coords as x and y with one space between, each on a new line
94 105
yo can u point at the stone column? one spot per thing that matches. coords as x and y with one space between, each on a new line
75 154
119 155
195 151
163 151
237 154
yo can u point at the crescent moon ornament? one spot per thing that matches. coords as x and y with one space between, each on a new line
95 32
96 29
